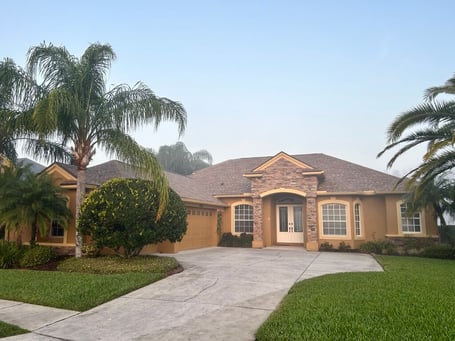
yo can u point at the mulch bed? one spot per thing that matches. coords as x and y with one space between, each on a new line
51 266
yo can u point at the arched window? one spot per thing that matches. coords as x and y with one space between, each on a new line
243 218
334 219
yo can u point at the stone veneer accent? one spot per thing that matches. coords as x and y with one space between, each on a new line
283 174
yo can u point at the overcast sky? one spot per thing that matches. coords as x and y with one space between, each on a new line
259 77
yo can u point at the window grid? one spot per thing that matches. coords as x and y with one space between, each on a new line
358 231
334 219
243 218
409 223
57 230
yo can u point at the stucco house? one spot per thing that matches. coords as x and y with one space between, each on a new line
304 200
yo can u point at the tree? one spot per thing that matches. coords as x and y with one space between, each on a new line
120 214
18 94
431 123
72 106
178 159
29 201
438 194
447 88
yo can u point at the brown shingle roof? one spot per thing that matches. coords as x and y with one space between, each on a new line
185 187
227 178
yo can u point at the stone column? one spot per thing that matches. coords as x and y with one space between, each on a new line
258 233
311 223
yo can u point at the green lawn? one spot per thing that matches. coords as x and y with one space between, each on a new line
414 299
84 289
10 330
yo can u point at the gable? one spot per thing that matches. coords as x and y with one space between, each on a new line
282 156
59 174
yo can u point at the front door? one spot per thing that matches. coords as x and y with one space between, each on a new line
289 224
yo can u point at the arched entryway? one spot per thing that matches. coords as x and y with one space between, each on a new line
284 217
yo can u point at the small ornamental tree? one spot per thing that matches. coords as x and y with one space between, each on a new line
121 215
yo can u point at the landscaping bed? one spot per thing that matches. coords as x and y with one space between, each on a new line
83 283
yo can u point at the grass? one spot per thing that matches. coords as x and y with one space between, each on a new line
87 282
10 330
412 300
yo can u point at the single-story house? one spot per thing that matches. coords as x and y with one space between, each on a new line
304 200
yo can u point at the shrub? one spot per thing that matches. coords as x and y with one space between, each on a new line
230 240
9 254
37 255
119 265
417 243
121 215
326 246
343 247
90 250
380 247
442 251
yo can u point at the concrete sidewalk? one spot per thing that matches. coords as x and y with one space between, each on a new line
223 294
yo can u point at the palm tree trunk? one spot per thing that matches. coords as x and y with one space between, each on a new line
33 235
80 192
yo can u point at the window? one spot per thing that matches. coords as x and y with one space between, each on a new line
409 224
334 219
243 218
358 228
57 230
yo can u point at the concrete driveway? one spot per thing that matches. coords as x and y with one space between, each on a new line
223 294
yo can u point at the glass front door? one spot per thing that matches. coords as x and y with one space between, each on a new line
289 224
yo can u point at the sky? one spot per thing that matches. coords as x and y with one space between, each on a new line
260 77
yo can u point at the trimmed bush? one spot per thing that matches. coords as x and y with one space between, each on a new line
442 251
119 265
121 215
230 240
90 250
343 247
380 247
326 246
37 255
10 254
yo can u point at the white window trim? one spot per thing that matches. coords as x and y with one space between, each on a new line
233 205
362 228
400 227
347 204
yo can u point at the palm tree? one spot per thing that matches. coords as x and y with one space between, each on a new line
447 88
439 194
17 93
178 159
29 201
74 108
432 124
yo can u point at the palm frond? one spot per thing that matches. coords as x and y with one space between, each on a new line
448 88
131 107
433 114
47 150
126 149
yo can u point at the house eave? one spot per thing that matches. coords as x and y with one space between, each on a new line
202 202
227 196
252 175
365 193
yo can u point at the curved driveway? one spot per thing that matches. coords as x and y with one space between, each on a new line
223 294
